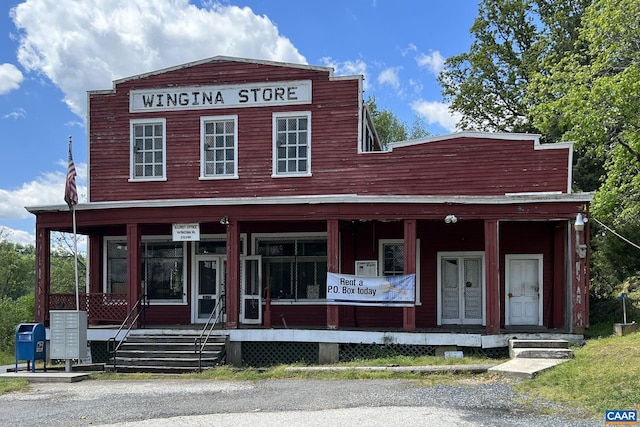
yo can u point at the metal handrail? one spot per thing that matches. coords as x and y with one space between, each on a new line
142 303
210 326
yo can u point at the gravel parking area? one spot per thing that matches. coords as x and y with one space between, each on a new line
166 402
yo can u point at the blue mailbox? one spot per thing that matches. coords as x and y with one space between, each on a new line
31 344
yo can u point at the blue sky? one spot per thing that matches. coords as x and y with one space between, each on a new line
53 51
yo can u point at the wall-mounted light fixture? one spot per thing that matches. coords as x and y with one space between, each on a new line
450 219
580 221
224 220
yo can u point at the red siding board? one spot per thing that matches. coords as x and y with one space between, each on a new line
463 166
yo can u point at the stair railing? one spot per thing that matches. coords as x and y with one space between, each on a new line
201 341
113 345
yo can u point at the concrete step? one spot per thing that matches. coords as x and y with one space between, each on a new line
541 353
525 368
539 349
515 343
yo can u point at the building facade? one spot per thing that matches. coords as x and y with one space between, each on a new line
237 186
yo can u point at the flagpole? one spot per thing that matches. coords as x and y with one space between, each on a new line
71 197
75 257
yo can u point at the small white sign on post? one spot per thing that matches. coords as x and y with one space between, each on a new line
186 232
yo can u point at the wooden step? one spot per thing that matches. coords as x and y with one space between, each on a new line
168 353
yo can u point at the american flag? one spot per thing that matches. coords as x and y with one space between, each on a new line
70 189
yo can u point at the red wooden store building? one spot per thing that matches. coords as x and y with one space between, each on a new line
249 181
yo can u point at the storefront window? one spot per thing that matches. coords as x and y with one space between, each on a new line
296 268
162 269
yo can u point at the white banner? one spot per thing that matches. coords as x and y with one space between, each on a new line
345 289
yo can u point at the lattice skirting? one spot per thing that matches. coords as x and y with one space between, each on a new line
99 352
264 354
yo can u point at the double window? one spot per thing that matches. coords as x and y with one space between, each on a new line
163 274
219 140
291 144
295 267
148 156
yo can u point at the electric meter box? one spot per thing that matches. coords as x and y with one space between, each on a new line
68 337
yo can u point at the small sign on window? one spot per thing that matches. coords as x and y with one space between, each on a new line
186 232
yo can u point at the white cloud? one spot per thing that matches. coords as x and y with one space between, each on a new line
46 190
20 113
347 68
17 236
389 76
437 113
86 45
10 78
433 61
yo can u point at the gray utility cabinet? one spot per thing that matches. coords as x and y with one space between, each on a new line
68 339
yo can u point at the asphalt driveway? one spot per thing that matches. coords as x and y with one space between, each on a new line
180 402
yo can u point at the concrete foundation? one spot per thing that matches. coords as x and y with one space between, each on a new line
328 353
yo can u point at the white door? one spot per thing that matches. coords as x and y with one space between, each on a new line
251 290
208 288
461 290
524 290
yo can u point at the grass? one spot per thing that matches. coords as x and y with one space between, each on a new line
605 374
7 358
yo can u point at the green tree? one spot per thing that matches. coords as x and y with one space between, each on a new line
62 268
16 269
487 85
595 103
390 129
13 312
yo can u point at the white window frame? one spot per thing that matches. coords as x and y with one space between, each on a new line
381 243
204 148
144 239
132 152
465 254
290 115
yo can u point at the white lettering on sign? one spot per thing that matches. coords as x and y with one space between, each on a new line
183 232
206 97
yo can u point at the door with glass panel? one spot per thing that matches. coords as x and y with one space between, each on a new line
461 289
208 287
251 290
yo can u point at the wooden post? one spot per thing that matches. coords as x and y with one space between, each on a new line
134 261
233 274
492 266
333 266
559 276
409 313
43 273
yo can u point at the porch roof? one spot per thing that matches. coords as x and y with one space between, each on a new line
506 199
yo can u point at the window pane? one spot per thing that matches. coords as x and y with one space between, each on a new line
220 135
163 270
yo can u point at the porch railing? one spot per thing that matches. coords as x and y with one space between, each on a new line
201 341
100 308
113 345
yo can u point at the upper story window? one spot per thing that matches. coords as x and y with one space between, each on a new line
219 141
292 144
148 144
